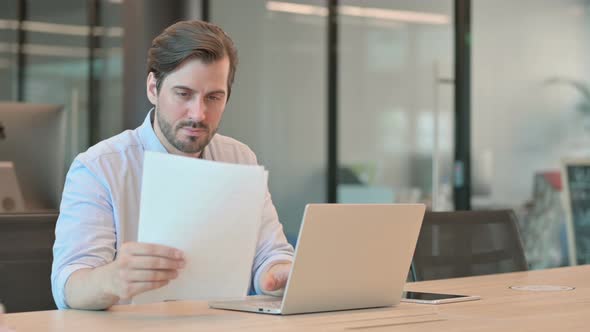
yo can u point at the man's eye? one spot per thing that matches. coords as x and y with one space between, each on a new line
182 94
214 98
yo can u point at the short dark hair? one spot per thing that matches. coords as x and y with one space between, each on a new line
190 40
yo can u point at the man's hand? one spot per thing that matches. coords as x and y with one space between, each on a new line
140 267
276 277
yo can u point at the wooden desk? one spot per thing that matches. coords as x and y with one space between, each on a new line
500 309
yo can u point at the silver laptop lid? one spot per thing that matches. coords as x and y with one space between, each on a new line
352 256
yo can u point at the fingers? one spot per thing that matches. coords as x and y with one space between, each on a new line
269 283
276 277
150 275
157 263
150 249
281 274
140 267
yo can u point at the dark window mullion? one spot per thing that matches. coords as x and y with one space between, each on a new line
332 167
462 166
205 10
93 44
20 55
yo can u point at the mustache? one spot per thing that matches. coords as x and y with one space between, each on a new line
192 124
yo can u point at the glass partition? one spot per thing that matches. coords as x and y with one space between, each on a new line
278 100
395 102
530 111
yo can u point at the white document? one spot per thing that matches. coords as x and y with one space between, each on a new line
212 212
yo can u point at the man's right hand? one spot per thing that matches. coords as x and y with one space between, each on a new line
137 268
140 267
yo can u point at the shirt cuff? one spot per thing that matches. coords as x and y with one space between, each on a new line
265 267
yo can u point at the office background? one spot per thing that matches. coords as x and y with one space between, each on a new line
347 101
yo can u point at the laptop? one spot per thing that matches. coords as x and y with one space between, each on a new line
349 256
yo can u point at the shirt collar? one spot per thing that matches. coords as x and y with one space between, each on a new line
148 137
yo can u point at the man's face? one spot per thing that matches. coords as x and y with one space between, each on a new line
189 105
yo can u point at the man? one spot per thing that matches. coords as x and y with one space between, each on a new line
97 263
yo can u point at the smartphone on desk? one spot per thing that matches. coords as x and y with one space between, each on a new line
435 298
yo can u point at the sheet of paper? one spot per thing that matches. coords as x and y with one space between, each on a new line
210 210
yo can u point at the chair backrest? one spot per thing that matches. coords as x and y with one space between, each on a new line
26 243
468 243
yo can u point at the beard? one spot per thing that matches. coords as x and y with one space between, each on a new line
190 144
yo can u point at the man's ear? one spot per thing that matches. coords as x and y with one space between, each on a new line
151 89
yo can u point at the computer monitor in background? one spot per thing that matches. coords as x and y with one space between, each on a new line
32 137
11 199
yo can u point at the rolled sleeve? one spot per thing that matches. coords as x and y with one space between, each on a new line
85 233
272 245
58 284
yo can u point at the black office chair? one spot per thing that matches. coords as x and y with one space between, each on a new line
467 243
26 243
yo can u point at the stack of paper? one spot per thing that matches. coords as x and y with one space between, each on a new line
209 210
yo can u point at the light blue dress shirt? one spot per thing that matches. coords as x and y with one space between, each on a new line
100 205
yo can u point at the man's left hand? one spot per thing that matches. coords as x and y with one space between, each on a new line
276 277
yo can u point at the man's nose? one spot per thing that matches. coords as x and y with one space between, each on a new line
197 110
